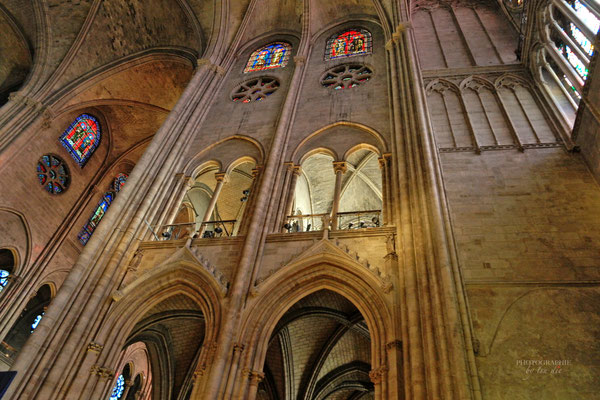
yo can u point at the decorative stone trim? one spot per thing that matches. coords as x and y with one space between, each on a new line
211 67
377 374
94 347
102 372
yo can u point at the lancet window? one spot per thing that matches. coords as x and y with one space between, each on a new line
349 43
82 138
274 55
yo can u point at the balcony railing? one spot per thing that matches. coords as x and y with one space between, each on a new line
345 221
208 229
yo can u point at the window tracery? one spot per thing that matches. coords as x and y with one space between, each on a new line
255 90
53 174
274 55
36 321
82 138
346 76
349 43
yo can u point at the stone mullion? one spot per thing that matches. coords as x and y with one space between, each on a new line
278 220
254 240
339 167
182 185
446 281
249 209
96 268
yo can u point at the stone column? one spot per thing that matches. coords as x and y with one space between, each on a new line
221 180
184 186
249 207
255 378
386 200
296 170
339 167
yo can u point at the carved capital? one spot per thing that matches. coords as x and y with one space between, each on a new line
340 166
395 344
102 372
299 60
221 177
94 347
378 374
211 67
117 295
256 377
238 347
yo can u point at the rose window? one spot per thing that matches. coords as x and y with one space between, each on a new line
255 90
53 174
346 76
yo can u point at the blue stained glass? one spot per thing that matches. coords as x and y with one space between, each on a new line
274 55
3 278
119 182
119 388
575 61
92 224
81 138
36 322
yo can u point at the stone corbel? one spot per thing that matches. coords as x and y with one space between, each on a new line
211 67
94 347
377 374
237 347
117 295
102 372
299 60
256 377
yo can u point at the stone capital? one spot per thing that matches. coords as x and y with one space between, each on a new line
299 60
238 347
102 372
256 377
221 177
211 67
340 166
377 374
94 347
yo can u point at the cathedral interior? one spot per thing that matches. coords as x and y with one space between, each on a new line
299 199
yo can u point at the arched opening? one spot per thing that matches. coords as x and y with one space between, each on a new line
120 385
7 268
171 333
320 349
361 198
26 324
344 194
215 204
314 193
136 389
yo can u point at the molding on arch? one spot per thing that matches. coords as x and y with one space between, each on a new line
196 162
21 260
309 273
378 137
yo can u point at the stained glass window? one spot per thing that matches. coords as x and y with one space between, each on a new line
82 137
119 182
92 224
89 228
349 43
53 174
119 388
36 321
575 61
274 55
4 274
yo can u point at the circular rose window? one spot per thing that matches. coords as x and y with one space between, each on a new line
255 90
53 174
346 76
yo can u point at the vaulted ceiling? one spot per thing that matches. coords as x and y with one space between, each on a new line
320 350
